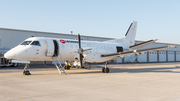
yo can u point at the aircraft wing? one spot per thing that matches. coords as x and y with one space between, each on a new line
134 52
137 46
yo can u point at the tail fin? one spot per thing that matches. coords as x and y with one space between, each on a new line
131 33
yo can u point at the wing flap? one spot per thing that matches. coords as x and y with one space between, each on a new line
135 51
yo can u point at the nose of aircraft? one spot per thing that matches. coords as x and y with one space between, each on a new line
9 54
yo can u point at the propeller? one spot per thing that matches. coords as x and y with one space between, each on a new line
80 50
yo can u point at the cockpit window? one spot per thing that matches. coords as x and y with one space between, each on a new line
35 43
26 42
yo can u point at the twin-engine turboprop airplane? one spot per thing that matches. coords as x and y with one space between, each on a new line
51 49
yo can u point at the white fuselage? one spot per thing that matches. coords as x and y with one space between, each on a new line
67 50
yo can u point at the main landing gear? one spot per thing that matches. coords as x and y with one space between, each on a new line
26 72
105 69
67 67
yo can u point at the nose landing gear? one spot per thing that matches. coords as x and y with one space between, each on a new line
26 72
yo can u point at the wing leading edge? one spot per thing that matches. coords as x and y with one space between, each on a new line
135 51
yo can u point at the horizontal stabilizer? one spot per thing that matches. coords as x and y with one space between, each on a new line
140 45
135 51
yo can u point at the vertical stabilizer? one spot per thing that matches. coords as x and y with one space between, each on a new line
131 33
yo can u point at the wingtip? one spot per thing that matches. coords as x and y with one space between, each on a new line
155 39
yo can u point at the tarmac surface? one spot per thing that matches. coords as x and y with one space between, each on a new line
125 82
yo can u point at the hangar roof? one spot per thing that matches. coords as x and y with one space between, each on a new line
76 35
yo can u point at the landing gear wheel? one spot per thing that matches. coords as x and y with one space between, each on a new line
105 70
26 72
67 67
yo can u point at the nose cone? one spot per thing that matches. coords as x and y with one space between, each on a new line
9 55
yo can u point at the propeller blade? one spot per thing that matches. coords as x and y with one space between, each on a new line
80 50
79 41
81 56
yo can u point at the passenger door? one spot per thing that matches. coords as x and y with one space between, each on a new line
49 47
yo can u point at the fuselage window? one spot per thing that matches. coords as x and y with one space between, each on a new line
35 43
26 42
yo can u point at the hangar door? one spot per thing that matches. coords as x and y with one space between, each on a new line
153 56
119 60
130 58
171 56
162 56
177 56
142 57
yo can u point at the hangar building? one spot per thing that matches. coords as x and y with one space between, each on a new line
10 38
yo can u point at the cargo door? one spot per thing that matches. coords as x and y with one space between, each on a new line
49 47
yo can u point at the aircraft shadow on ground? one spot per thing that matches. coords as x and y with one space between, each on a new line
146 70
138 70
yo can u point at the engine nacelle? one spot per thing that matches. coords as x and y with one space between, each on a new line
94 55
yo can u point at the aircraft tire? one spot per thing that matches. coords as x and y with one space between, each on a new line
65 67
68 67
26 72
105 70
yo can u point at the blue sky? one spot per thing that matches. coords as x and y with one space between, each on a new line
157 19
